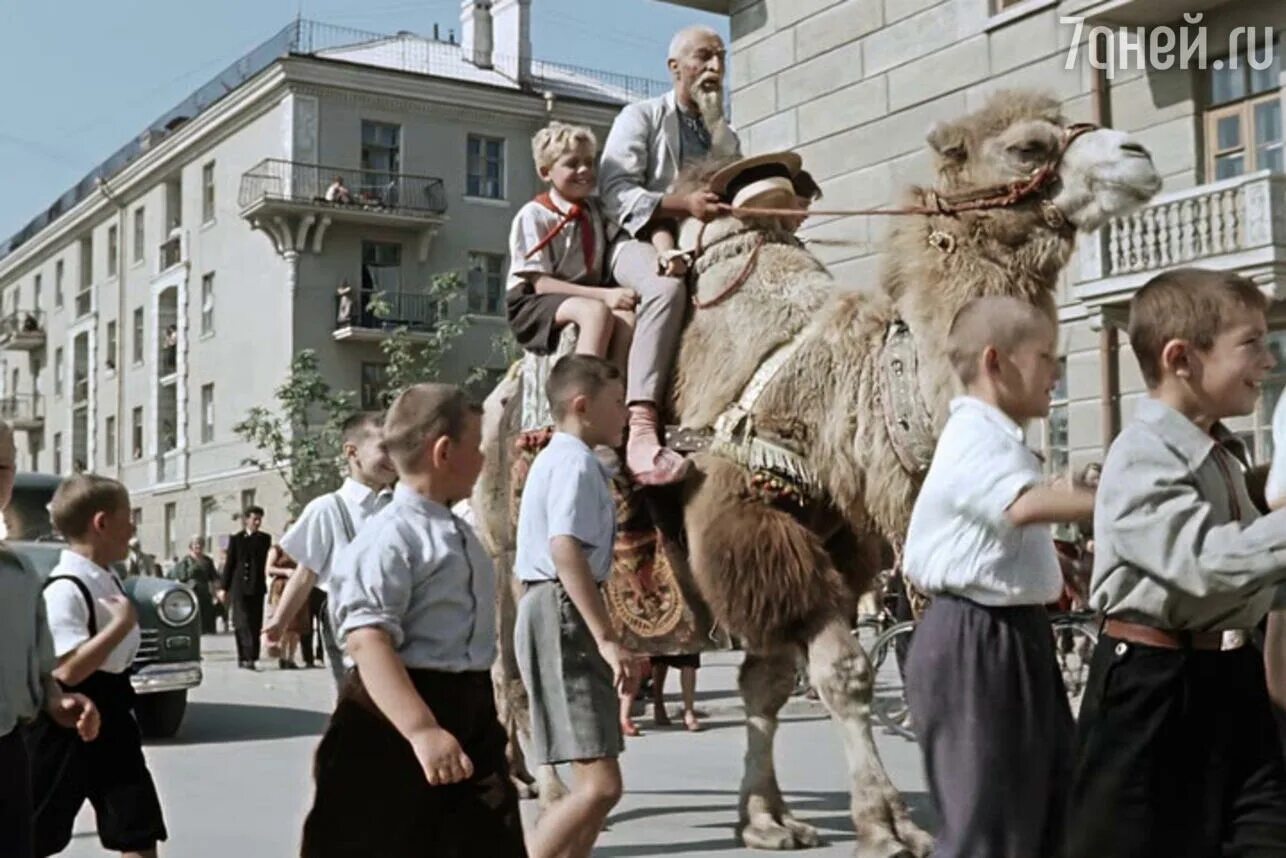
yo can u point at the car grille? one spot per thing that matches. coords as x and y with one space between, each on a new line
149 648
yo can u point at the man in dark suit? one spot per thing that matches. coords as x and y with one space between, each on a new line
245 582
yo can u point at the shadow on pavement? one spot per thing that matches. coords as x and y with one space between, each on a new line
213 723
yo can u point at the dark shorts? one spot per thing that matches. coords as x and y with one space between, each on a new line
532 319
689 660
15 797
110 772
372 798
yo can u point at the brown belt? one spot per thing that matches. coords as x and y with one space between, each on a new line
1148 636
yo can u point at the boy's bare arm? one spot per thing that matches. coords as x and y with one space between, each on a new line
386 680
1051 505
77 666
577 579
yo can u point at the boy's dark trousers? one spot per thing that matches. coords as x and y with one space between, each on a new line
248 623
110 772
15 797
1177 756
372 798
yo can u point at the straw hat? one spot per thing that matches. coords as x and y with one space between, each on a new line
762 181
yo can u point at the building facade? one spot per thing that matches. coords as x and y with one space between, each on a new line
853 85
154 305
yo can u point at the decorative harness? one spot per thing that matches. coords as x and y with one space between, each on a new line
906 416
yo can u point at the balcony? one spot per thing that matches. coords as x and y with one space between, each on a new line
23 411
359 321
22 330
1237 224
1140 12
84 302
274 186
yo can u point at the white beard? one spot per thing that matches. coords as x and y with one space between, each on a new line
710 102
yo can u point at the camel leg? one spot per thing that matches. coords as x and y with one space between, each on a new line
842 675
765 681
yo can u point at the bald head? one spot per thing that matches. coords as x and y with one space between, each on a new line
684 40
1001 322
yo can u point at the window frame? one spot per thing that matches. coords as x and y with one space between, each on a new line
1244 110
207 413
502 180
58 453
109 441
208 200
140 235
371 388
209 506
169 519
1059 402
111 338
207 303
58 372
60 271
139 332
485 298
138 438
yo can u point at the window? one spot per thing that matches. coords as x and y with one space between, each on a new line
109 441
86 262
374 382
486 283
113 250
381 272
486 168
35 444
136 517
13 388
171 513
58 371
207 193
139 234
138 335
207 413
1057 447
381 159
58 452
247 499
136 432
112 344
58 285
208 508
1244 118
207 303
35 292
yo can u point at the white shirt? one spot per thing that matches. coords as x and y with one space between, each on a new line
960 540
69 615
566 494
318 533
420 574
564 256
1275 489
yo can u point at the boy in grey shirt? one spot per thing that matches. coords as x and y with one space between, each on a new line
1177 751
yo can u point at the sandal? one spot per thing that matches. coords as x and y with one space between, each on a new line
629 728
691 722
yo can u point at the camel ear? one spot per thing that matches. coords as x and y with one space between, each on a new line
947 141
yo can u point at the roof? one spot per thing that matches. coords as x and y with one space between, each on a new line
404 51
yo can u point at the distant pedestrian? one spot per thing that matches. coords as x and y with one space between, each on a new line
244 583
687 665
281 567
413 761
196 569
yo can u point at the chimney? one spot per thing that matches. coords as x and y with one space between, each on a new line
511 26
475 32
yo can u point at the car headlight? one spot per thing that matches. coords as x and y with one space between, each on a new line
175 607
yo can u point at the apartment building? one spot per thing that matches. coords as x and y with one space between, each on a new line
154 304
853 85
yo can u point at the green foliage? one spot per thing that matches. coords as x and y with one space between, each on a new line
416 357
299 438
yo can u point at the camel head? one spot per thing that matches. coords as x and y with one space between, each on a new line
1102 173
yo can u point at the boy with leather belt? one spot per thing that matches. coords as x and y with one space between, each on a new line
1177 751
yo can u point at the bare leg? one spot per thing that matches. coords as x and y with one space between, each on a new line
842 675
765 822
688 687
594 321
628 727
659 715
569 828
148 853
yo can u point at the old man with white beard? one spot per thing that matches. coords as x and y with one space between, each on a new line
648 144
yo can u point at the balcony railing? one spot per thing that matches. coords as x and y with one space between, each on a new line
23 410
22 330
374 310
171 252
84 302
1237 223
80 390
356 190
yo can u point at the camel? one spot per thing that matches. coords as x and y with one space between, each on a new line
838 391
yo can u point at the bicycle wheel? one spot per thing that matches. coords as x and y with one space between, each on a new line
1074 640
888 700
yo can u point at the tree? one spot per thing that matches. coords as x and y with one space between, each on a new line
300 438
413 358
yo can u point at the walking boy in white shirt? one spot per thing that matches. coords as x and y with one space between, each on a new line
413 761
96 637
329 523
568 655
983 684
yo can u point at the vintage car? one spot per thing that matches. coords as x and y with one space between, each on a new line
169 661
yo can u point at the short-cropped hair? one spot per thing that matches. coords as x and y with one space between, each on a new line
576 375
424 413
1000 321
80 497
1192 304
557 139
253 510
354 429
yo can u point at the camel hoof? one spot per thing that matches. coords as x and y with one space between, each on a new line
778 836
919 842
883 849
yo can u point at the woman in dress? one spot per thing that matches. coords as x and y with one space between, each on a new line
280 566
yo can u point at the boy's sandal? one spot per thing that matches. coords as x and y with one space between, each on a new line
629 728
692 723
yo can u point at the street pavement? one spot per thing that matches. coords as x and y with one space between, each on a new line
237 779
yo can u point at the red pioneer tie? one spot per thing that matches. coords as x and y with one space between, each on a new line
576 213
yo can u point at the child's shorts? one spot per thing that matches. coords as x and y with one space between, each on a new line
372 799
574 707
110 772
532 318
